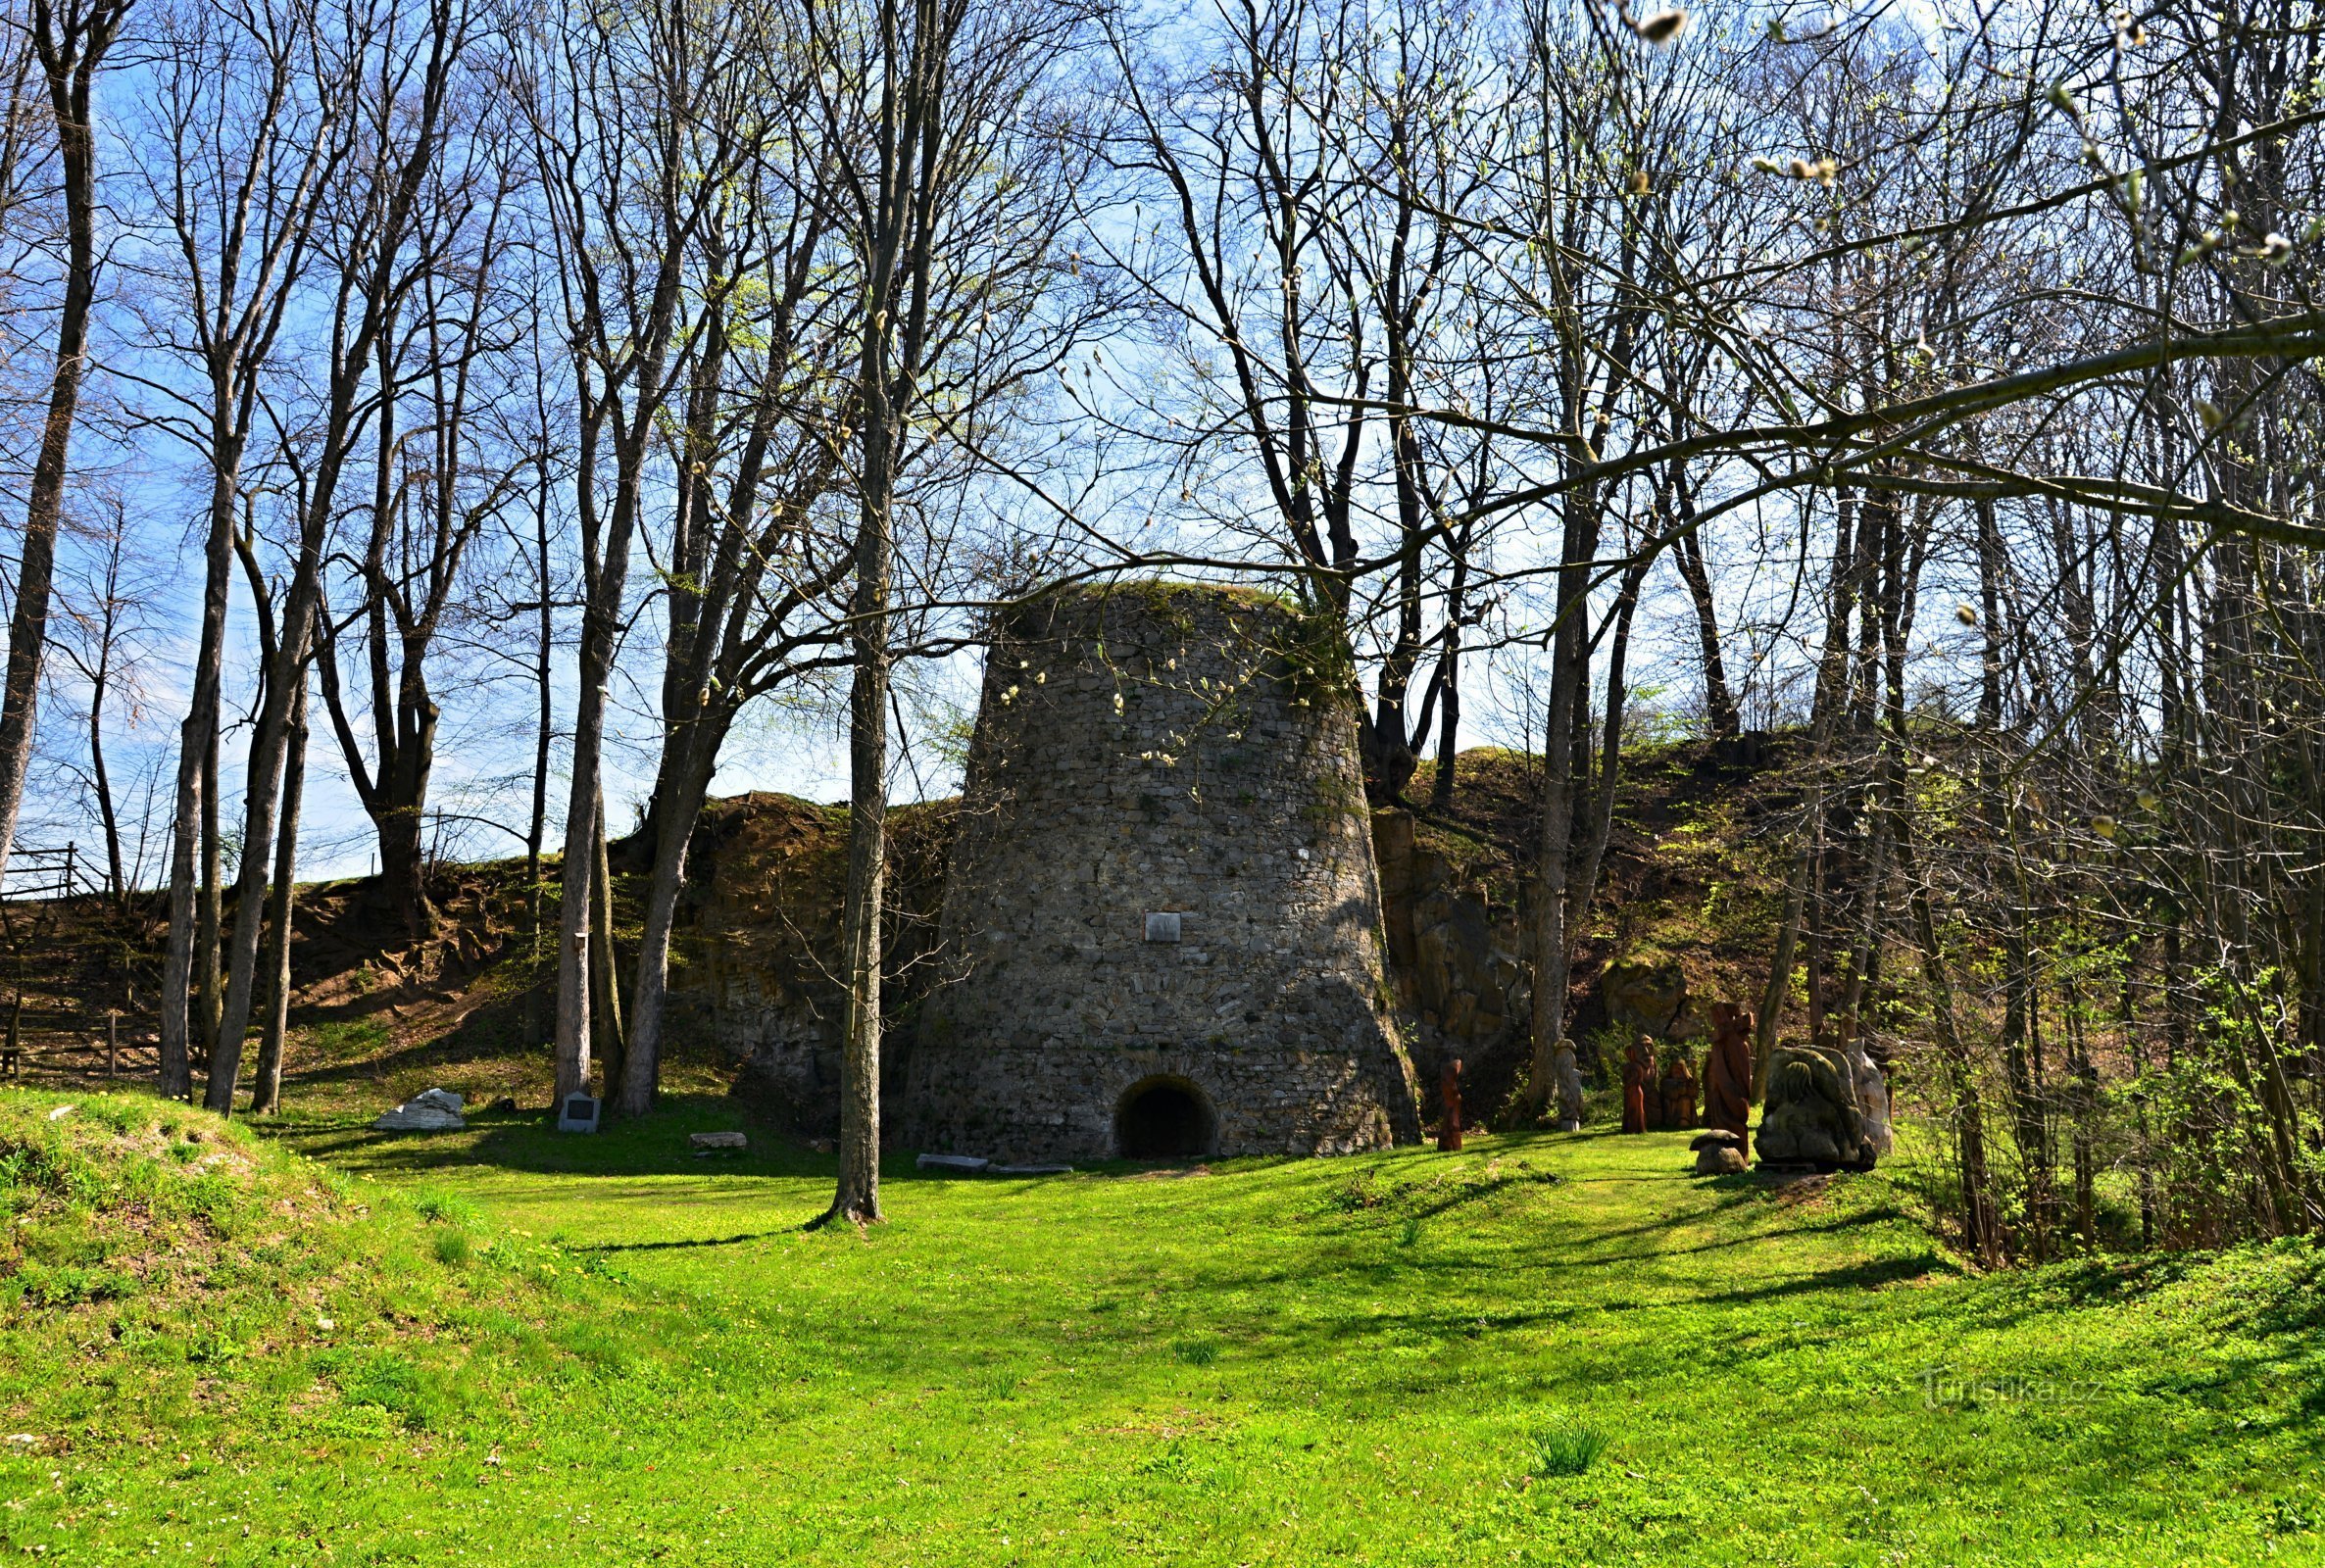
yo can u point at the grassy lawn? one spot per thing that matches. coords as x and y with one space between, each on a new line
504 1346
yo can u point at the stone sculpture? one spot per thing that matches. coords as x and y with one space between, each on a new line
1727 1075
1635 1072
1568 1078
1679 1094
1868 1088
1810 1121
1718 1152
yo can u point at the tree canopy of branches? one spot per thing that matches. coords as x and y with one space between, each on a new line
1933 387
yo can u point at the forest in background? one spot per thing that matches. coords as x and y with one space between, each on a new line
394 383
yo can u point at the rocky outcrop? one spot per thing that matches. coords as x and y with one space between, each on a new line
1454 962
754 962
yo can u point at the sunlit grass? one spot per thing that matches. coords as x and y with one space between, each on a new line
1541 1350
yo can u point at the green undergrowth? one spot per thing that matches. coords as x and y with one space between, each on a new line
502 1346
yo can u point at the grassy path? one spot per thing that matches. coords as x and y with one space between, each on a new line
1334 1361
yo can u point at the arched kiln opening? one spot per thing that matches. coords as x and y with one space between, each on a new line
1165 1118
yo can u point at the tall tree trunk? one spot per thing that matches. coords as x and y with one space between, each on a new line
286 680
578 868
605 980
266 1093
690 783
1585 884
212 918
1719 700
116 886
856 1198
537 816
1547 941
1830 698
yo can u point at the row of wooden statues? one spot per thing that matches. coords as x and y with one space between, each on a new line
1827 1105
1666 1101
1652 1104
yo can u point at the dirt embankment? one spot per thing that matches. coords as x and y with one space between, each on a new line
1688 898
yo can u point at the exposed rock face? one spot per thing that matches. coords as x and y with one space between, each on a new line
1811 1118
753 967
1162 917
1718 1152
1453 960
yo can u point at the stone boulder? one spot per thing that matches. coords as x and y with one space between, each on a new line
431 1110
712 1142
1810 1121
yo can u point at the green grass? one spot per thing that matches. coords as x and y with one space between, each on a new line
630 1355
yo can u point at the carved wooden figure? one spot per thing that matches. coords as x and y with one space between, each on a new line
1636 1070
1679 1094
1448 1126
1728 1076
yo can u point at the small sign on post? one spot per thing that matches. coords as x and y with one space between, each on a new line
577 1114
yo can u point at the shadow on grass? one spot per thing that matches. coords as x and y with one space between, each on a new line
524 1141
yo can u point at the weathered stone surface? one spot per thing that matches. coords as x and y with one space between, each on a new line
1453 960
706 1142
431 1110
1644 995
1567 1074
958 1164
1871 1089
754 961
1810 1120
1160 747
1720 1160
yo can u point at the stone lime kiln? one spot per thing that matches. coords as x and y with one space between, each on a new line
1162 920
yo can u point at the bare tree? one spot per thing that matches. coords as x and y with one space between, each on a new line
104 640
380 248
637 127
242 133
72 42
435 487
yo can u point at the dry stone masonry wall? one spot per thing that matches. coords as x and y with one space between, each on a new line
1162 915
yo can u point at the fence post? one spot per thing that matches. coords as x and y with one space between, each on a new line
112 1043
